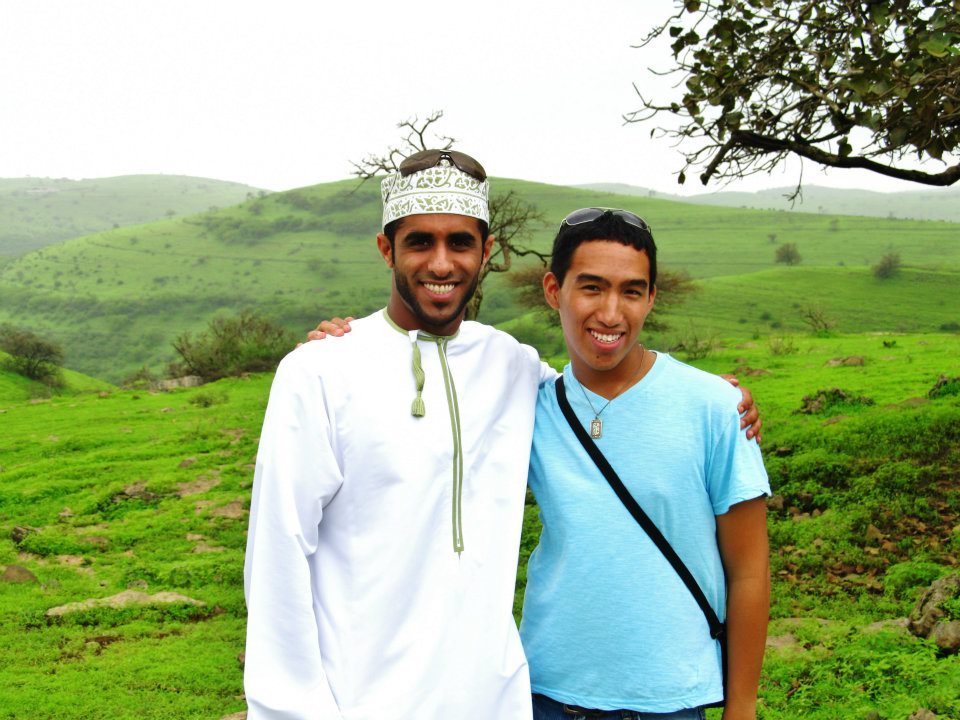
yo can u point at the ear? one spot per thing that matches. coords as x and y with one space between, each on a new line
551 290
487 249
383 245
651 297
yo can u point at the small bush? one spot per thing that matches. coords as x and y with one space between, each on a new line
944 387
782 346
142 378
232 346
887 267
32 356
787 254
830 400
901 578
208 399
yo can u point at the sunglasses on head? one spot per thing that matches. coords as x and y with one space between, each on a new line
426 159
587 215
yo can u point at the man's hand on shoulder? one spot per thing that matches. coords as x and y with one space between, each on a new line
335 327
749 414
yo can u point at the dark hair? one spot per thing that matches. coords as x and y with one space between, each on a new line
606 227
393 227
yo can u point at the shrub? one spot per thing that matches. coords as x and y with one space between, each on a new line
140 379
787 254
903 577
830 400
817 319
232 346
782 346
944 387
208 399
887 267
32 356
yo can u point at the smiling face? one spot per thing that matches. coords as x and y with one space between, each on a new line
603 302
436 261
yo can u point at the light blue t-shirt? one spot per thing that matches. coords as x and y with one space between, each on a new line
607 622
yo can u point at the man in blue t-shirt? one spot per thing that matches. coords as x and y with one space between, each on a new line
609 628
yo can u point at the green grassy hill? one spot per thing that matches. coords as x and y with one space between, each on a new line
117 299
35 212
14 387
929 204
130 490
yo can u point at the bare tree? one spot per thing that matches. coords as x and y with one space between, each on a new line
816 318
512 219
412 142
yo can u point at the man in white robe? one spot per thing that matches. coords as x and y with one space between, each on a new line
389 489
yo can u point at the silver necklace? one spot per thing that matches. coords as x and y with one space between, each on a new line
596 425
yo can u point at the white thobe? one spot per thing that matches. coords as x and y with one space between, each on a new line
359 605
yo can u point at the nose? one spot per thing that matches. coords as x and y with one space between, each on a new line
609 311
441 261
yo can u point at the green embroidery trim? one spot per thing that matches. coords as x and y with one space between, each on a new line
454 408
418 410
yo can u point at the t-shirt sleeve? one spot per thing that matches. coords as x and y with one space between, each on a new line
735 471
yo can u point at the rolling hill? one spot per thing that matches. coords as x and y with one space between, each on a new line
35 212
116 299
931 204
14 387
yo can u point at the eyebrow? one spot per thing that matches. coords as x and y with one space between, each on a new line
587 277
419 235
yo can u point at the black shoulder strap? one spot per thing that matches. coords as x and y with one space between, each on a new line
716 627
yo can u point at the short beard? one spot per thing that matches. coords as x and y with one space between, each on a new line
406 294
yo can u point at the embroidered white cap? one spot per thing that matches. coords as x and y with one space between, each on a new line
443 188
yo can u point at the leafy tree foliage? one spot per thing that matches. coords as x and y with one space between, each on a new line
31 355
232 346
512 219
845 83
788 254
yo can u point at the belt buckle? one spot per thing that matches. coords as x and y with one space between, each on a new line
584 712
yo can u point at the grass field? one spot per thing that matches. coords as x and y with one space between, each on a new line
149 491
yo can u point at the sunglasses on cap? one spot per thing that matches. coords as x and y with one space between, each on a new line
587 215
426 159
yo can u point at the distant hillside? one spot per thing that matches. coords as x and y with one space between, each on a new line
931 204
35 212
117 299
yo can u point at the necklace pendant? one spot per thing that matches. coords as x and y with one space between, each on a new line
596 428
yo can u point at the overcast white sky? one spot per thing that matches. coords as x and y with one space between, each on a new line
285 93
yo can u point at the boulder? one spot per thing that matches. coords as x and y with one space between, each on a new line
187 381
18 574
929 619
20 532
122 600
